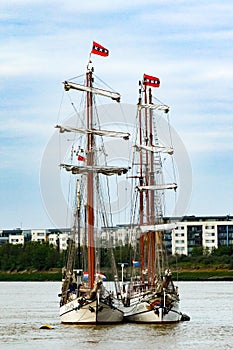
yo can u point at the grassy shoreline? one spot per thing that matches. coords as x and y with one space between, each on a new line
204 275
40 276
185 275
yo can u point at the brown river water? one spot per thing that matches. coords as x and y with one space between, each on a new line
25 306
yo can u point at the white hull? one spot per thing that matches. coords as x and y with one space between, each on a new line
92 312
140 313
151 310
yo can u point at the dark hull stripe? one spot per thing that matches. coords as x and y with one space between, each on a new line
126 318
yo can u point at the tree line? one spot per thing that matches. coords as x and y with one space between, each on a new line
31 255
201 257
44 256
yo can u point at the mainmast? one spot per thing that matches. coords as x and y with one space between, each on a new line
151 235
146 178
90 168
141 245
90 184
150 183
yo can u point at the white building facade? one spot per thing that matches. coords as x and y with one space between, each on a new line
16 239
38 236
206 232
190 232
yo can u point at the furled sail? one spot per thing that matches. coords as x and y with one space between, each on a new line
108 133
163 108
168 150
159 227
105 170
113 95
157 187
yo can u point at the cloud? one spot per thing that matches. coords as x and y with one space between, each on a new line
187 44
209 141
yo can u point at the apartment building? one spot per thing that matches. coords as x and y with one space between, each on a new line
38 235
7 235
16 239
209 232
190 232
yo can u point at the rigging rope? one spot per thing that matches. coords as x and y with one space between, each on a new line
105 84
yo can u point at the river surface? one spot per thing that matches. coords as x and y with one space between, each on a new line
25 306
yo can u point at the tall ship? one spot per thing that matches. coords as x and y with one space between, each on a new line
151 296
83 297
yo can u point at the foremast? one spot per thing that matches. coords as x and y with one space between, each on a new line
69 268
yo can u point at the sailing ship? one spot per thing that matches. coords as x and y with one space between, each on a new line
83 298
151 297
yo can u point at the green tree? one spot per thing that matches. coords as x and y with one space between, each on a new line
197 251
222 250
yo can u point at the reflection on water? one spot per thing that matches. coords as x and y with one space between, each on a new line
25 306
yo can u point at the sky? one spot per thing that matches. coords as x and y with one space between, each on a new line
187 44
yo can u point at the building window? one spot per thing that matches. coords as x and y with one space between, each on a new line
181 228
180 241
209 234
179 249
210 241
179 234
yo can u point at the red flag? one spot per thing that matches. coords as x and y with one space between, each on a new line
81 158
151 81
99 50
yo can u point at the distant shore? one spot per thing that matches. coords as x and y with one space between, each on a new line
30 276
204 275
185 275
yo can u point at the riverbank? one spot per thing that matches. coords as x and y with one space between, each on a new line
204 275
184 275
31 276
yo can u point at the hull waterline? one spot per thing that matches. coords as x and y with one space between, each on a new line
140 313
91 312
